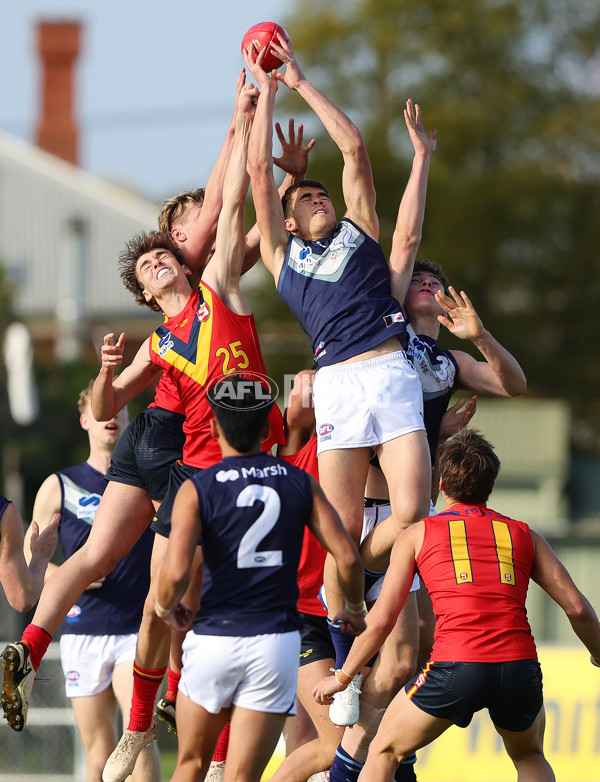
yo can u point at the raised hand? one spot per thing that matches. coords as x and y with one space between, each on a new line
294 156
247 98
460 317
455 418
422 141
43 544
292 75
112 353
241 80
262 78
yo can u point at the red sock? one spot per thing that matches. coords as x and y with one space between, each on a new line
172 684
37 640
146 682
222 744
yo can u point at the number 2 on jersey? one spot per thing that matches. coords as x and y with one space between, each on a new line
459 547
248 556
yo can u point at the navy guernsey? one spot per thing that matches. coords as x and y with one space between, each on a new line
115 608
253 509
339 290
437 370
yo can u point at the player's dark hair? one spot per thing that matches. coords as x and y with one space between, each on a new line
137 246
469 467
241 406
287 196
432 268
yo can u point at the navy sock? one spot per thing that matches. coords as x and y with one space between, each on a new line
341 643
345 768
406 770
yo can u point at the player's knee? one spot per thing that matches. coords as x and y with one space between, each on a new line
403 672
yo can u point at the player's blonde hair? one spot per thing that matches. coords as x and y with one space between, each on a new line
85 398
173 208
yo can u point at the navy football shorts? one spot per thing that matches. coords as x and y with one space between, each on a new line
161 523
147 450
315 639
511 691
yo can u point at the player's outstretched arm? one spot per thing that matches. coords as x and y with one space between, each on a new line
454 419
411 212
23 583
200 236
357 177
47 504
267 202
224 271
174 575
327 527
500 373
110 394
294 161
382 617
553 577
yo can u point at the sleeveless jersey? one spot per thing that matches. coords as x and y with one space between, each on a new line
437 370
115 608
253 510
312 558
339 290
166 395
476 565
201 344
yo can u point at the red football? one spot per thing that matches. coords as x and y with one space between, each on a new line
261 35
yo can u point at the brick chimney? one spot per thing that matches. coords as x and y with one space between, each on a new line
58 47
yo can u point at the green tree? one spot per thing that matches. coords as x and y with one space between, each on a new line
513 205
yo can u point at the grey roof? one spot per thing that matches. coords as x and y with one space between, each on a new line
61 230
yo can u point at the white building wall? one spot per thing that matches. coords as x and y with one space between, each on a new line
40 197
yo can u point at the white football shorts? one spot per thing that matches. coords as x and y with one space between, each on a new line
256 672
88 660
366 403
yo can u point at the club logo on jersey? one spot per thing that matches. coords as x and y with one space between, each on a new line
464 576
228 390
203 312
325 431
74 614
320 351
395 317
331 263
72 678
165 344
507 577
227 475
87 507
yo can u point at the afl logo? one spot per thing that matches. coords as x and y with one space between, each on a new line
325 429
203 312
72 677
74 612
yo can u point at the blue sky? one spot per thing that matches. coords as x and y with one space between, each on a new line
155 82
